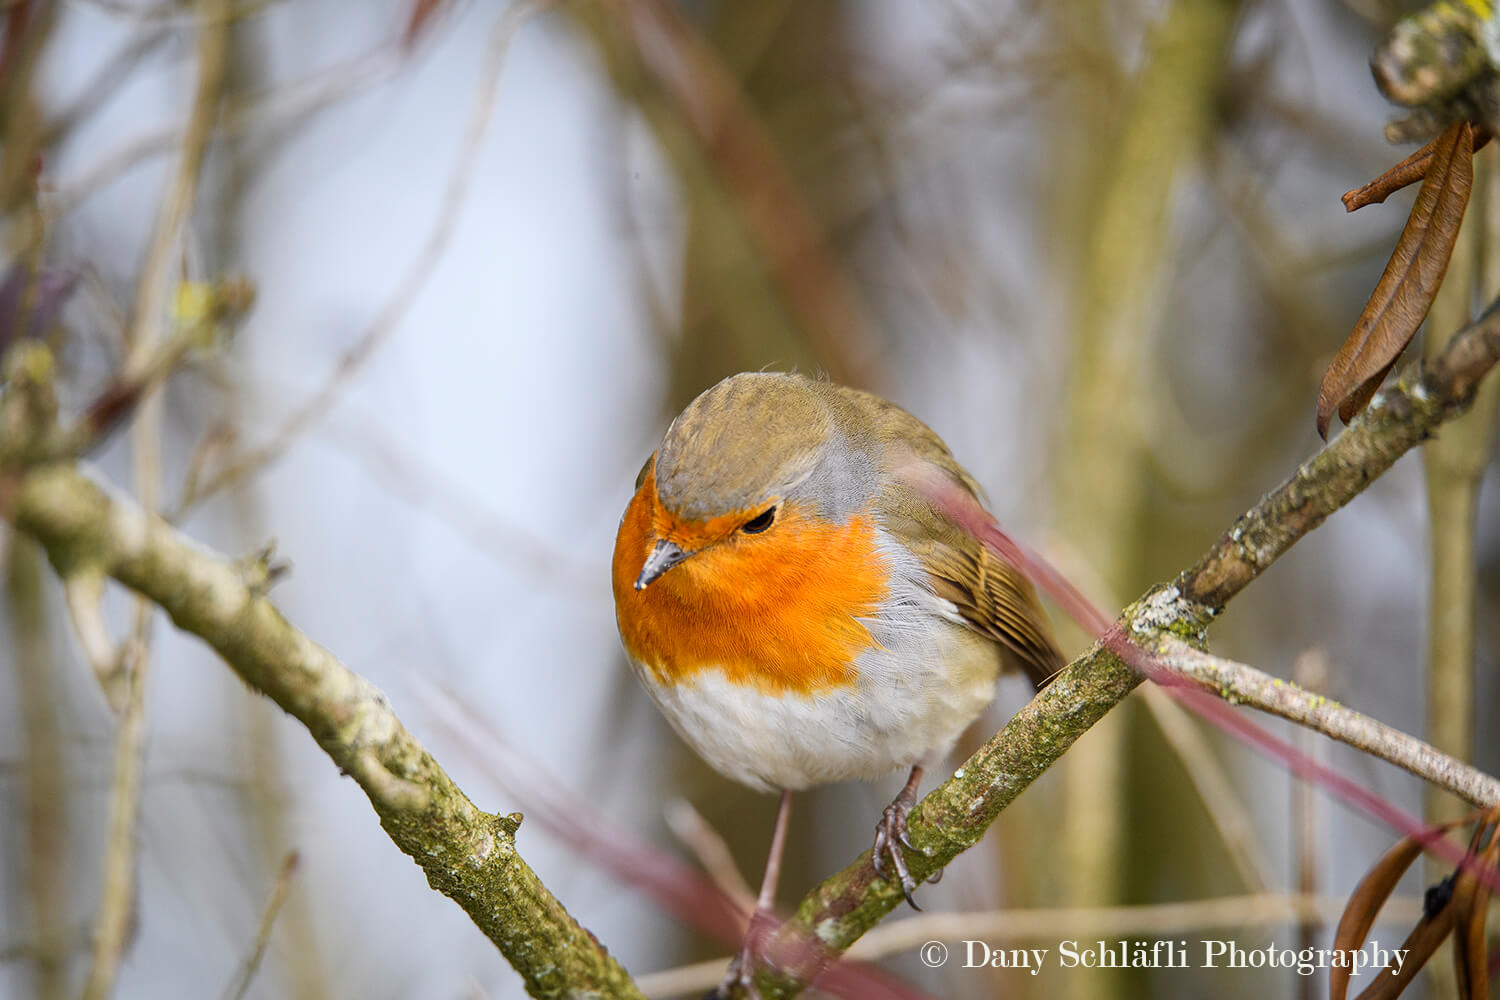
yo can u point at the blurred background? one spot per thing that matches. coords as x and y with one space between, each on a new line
1097 246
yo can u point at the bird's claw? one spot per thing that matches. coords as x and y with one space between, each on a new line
891 842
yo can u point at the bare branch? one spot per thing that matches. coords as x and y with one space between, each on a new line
658 51
1245 685
117 895
284 104
105 82
143 335
708 846
240 984
84 594
47 832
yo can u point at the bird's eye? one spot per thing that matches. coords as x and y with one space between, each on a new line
760 522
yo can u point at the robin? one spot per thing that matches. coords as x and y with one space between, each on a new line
799 611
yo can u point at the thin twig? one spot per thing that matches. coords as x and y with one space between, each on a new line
158 360
1311 672
143 335
705 100
120 398
240 984
689 826
45 770
413 478
1245 685
84 594
117 895
104 84
143 331
406 291
279 106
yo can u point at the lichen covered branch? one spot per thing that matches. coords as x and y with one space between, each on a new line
467 854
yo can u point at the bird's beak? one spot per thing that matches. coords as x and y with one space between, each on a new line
662 558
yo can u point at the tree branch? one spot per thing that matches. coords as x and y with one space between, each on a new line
1245 685
468 855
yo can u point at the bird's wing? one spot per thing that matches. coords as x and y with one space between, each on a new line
992 597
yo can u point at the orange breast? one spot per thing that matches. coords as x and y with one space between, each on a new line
777 611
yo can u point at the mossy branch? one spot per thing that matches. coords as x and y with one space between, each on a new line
468 855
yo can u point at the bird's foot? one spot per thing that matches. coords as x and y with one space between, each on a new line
892 841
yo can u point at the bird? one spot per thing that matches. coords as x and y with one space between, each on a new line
800 609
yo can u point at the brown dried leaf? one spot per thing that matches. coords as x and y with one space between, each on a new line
1468 960
1411 279
1365 903
1419 945
1360 397
1471 897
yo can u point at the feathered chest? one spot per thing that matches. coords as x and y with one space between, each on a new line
778 613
